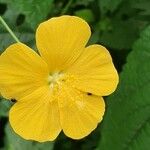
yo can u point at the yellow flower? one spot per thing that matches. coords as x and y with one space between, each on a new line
62 88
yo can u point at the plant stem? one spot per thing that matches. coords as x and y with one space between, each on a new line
8 29
66 7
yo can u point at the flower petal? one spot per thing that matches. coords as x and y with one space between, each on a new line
36 116
80 113
21 71
94 71
61 40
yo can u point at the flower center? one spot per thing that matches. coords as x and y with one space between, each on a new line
54 78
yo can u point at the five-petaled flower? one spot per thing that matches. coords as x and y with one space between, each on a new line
62 88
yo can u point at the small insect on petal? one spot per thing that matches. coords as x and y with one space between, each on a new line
13 100
89 93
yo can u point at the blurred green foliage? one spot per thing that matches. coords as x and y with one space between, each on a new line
127 121
123 26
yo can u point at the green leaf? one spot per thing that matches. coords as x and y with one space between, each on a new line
109 5
86 14
35 11
14 142
118 34
126 125
4 107
23 32
83 2
7 40
142 5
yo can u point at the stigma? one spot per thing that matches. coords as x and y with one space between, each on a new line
55 78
